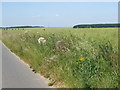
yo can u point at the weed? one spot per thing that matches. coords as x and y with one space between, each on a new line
82 58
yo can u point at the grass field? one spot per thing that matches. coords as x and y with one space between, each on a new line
88 57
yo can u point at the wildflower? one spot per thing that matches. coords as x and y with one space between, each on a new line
76 62
41 40
60 45
81 59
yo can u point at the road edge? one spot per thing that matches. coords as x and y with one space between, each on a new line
0 64
22 61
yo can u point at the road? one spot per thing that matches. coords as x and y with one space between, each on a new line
16 74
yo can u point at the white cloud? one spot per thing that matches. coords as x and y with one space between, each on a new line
57 15
36 16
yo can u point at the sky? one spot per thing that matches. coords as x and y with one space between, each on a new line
58 14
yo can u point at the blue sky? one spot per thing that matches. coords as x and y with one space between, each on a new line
58 14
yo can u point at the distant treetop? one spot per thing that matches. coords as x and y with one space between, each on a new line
25 27
96 25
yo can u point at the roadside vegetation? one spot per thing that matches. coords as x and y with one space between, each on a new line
87 57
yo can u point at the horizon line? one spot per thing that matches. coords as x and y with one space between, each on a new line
60 26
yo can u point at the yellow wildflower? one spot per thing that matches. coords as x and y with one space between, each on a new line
76 62
81 59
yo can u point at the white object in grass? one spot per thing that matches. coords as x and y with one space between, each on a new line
41 40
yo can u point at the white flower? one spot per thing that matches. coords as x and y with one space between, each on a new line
41 40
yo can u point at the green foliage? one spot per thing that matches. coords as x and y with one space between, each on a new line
97 26
89 60
51 83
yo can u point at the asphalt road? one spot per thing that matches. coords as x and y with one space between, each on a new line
16 74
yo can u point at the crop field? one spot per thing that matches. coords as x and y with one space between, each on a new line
86 58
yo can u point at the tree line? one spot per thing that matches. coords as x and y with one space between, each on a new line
96 26
20 27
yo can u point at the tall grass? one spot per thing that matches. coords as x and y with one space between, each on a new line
89 60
